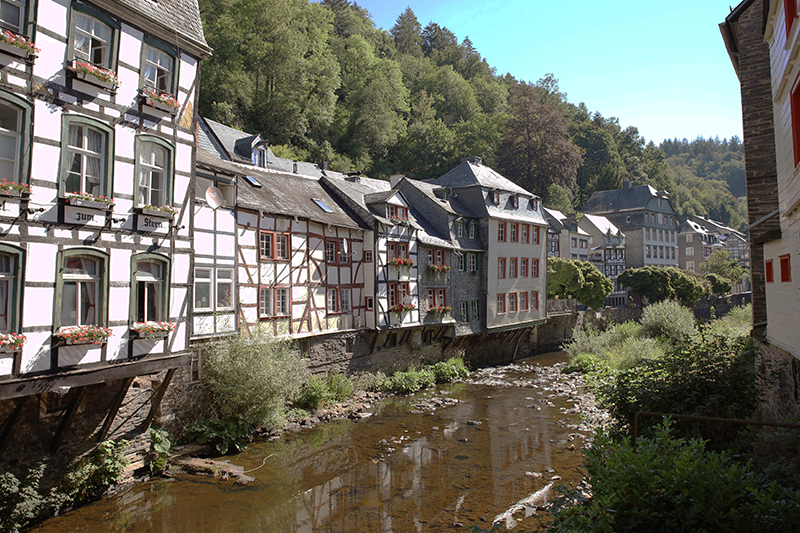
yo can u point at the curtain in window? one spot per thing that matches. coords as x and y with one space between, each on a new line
4 304
94 163
10 15
89 292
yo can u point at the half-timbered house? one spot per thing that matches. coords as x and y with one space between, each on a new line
98 145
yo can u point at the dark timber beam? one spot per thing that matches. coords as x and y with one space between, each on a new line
155 401
10 422
114 409
67 419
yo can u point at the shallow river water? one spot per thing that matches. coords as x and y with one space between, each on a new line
403 469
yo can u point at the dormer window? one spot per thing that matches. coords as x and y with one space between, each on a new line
494 196
533 205
515 202
398 212
260 157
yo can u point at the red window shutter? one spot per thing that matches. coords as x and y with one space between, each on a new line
768 270
794 102
790 13
786 268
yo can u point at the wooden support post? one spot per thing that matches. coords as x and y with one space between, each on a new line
155 401
11 421
114 409
67 419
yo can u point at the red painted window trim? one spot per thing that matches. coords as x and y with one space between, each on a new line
790 14
513 232
786 268
525 307
534 300
794 103
769 271
501 232
513 265
534 267
501 268
536 235
512 297
501 303
525 236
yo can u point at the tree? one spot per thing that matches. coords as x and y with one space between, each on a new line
407 34
558 199
662 283
719 284
535 147
720 262
564 278
595 287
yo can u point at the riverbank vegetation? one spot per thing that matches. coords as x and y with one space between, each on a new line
687 475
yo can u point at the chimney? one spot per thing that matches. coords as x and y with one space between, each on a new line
324 165
626 185
294 167
473 159
394 179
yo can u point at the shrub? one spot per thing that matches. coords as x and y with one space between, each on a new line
158 455
93 474
252 378
224 435
450 370
668 319
633 350
587 341
671 484
20 500
314 394
411 380
340 387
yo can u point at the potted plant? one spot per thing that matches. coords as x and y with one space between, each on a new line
84 334
438 270
401 262
440 309
14 189
17 45
164 211
162 101
84 199
152 329
101 77
11 342
399 221
401 308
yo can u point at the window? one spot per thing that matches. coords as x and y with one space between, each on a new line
397 293
463 314
494 197
501 304
158 68
273 302
154 160
226 187
259 158
523 268
86 165
512 267
281 247
673 252
397 250
574 242
459 229
151 293
647 233
273 245
501 232
344 299
515 202
689 265
12 14
628 219
690 250
460 262
769 271
10 288
513 232
213 289
83 288
94 37
647 250
369 303
330 252
786 268
475 310
335 252
661 235
661 252
436 298
524 229
439 257
472 231
472 262
501 267
512 302
396 211
523 301
368 256
584 244
535 235
14 137
534 299
534 268
333 301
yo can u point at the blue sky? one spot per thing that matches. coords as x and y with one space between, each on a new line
659 66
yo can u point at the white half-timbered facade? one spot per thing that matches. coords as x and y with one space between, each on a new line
97 188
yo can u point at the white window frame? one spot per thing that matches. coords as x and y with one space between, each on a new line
96 42
159 71
147 194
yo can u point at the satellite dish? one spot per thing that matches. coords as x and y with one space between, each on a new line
214 197
407 299
344 246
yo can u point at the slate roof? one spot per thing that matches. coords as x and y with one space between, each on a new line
226 137
355 195
620 200
714 225
211 160
175 16
602 223
450 204
556 220
470 173
292 195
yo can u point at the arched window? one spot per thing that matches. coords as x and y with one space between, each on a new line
82 288
10 288
150 288
86 156
15 117
154 169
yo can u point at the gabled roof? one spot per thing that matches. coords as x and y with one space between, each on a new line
557 221
473 172
213 162
602 223
451 204
355 194
288 194
714 225
620 200
174 19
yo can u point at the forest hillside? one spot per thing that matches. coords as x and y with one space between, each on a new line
321 82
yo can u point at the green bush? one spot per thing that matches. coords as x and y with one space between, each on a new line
253 378
634 350
314 394
158 455
20 500
93 474
340 387
671 484
668 319
587 341
619 333
450 370
224 435
711 376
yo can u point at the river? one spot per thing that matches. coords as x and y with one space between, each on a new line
490 443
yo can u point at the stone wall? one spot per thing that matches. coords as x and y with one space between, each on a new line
722 306
779 372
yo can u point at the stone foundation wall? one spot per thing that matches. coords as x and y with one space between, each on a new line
722 306
779 372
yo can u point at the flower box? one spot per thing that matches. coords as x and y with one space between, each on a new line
13 189
76 335
152 329
164 212
90 204
151 334
402 308
159 105
440 310
99 77
401 262
17 45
